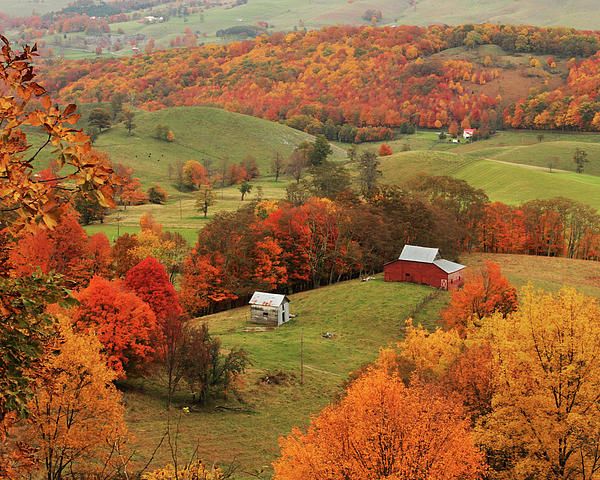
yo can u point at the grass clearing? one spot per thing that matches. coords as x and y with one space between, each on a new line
502 181
180 214
364 316
549 273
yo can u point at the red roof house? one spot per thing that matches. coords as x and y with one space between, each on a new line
468 133
424 266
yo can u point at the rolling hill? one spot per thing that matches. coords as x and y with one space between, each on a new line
200 133
510 183
246 433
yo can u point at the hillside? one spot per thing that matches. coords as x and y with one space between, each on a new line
371 79
200 133
572 13
373 312
549 273
505 182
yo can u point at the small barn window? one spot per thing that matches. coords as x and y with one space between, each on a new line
265 314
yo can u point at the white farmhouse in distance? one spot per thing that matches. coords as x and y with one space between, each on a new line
269 309
468 133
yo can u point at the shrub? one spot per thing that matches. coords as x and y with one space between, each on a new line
157 194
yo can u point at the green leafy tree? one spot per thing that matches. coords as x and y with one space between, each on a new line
245 188
202 365
25 328
580 158
116 105
329 180
89 209
277 165
320 151
369 173
129 120
157 195
99 118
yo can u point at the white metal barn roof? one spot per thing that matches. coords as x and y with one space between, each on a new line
413 253
448 266
267 299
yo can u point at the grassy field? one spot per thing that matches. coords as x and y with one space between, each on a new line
506 182
180 214
363 316
544 272
200 133
511 166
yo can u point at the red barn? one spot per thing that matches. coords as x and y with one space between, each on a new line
425 266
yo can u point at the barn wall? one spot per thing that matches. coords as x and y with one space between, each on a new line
421 273
456 280
264 315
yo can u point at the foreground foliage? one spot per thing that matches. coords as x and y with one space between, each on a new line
76 419
545 421
383 429
27 199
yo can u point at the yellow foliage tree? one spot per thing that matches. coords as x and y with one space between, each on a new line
545 421
76 418
195 471
429 354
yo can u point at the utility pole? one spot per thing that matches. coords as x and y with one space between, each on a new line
302 357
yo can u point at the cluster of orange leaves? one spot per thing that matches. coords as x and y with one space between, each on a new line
24 104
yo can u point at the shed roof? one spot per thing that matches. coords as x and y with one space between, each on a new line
268 299
448 266
413 253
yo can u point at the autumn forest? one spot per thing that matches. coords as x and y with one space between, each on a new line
158 207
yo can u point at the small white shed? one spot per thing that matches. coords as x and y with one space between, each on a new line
269 309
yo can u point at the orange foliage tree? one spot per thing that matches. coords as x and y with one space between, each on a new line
65 250
545 418
483 294
383 429
26 199
125 325
462 367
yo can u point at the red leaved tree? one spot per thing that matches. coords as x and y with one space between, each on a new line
64 250
385 150
150 282
123 323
